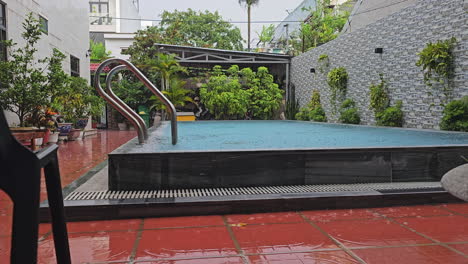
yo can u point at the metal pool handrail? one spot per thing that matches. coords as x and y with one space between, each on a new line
121 103
169 106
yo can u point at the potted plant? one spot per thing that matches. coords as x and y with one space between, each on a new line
76 103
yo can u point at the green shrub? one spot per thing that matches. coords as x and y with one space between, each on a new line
318 115
456 115
338 81
313 111
303 114
391 116
349 113
323 62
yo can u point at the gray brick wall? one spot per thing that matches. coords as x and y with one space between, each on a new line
402 36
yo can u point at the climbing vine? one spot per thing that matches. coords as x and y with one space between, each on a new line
436 61
338 81
323 62
379 96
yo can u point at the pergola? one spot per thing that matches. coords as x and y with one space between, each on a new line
278 64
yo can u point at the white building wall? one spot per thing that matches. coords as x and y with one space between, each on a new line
115 43
68 30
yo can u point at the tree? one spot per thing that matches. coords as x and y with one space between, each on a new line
267 34
167 66
323 25
249 4
177 94
189 28
28 84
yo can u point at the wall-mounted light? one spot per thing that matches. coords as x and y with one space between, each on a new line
312 70
88 53
378 50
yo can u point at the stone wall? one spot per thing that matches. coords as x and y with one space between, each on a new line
402 36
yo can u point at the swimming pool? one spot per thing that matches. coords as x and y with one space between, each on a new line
259 153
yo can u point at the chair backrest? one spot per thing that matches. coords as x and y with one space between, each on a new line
13 157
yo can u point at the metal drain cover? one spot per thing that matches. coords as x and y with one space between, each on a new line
177 193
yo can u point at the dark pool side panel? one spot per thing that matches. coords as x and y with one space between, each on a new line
140 208
280 167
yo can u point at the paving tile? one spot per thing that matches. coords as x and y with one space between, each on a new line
442 228
344 214
92 247
280 238
265 218
413 255
459 208
461 247
185 243
370 232
320 257
412 211
94 226
188 221
230 260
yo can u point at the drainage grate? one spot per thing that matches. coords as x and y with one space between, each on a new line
384 187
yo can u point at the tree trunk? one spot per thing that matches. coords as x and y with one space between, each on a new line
248 26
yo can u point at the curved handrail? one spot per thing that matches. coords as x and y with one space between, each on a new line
169 106
121 103
127 114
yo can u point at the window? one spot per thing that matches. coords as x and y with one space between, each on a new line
99 12
3 31
44 24
74 66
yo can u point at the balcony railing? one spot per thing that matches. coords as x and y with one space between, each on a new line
100 19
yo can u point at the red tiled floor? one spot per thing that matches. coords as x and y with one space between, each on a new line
459 208
410 255
461 247
190 221
280 238
92 247
371 233
445 229
185 243
345 214
5 225
266 218
78 157
405 211
95 226
230 260
321 257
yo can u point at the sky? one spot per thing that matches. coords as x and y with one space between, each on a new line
230 10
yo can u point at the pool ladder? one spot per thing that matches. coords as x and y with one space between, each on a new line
122 107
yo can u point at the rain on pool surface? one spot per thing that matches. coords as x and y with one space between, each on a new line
266 135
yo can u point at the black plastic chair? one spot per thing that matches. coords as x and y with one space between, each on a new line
20 178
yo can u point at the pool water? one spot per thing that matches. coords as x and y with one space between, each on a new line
266 135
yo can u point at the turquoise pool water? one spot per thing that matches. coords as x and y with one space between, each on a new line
266 135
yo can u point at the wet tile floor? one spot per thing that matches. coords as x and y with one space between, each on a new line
412 234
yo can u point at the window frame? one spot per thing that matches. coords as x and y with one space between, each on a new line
44 26
74 61
3 32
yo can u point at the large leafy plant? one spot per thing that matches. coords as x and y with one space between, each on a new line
265 95
224 97
456 115
349 113
177 94
77 100
28 84
313 111
436 61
